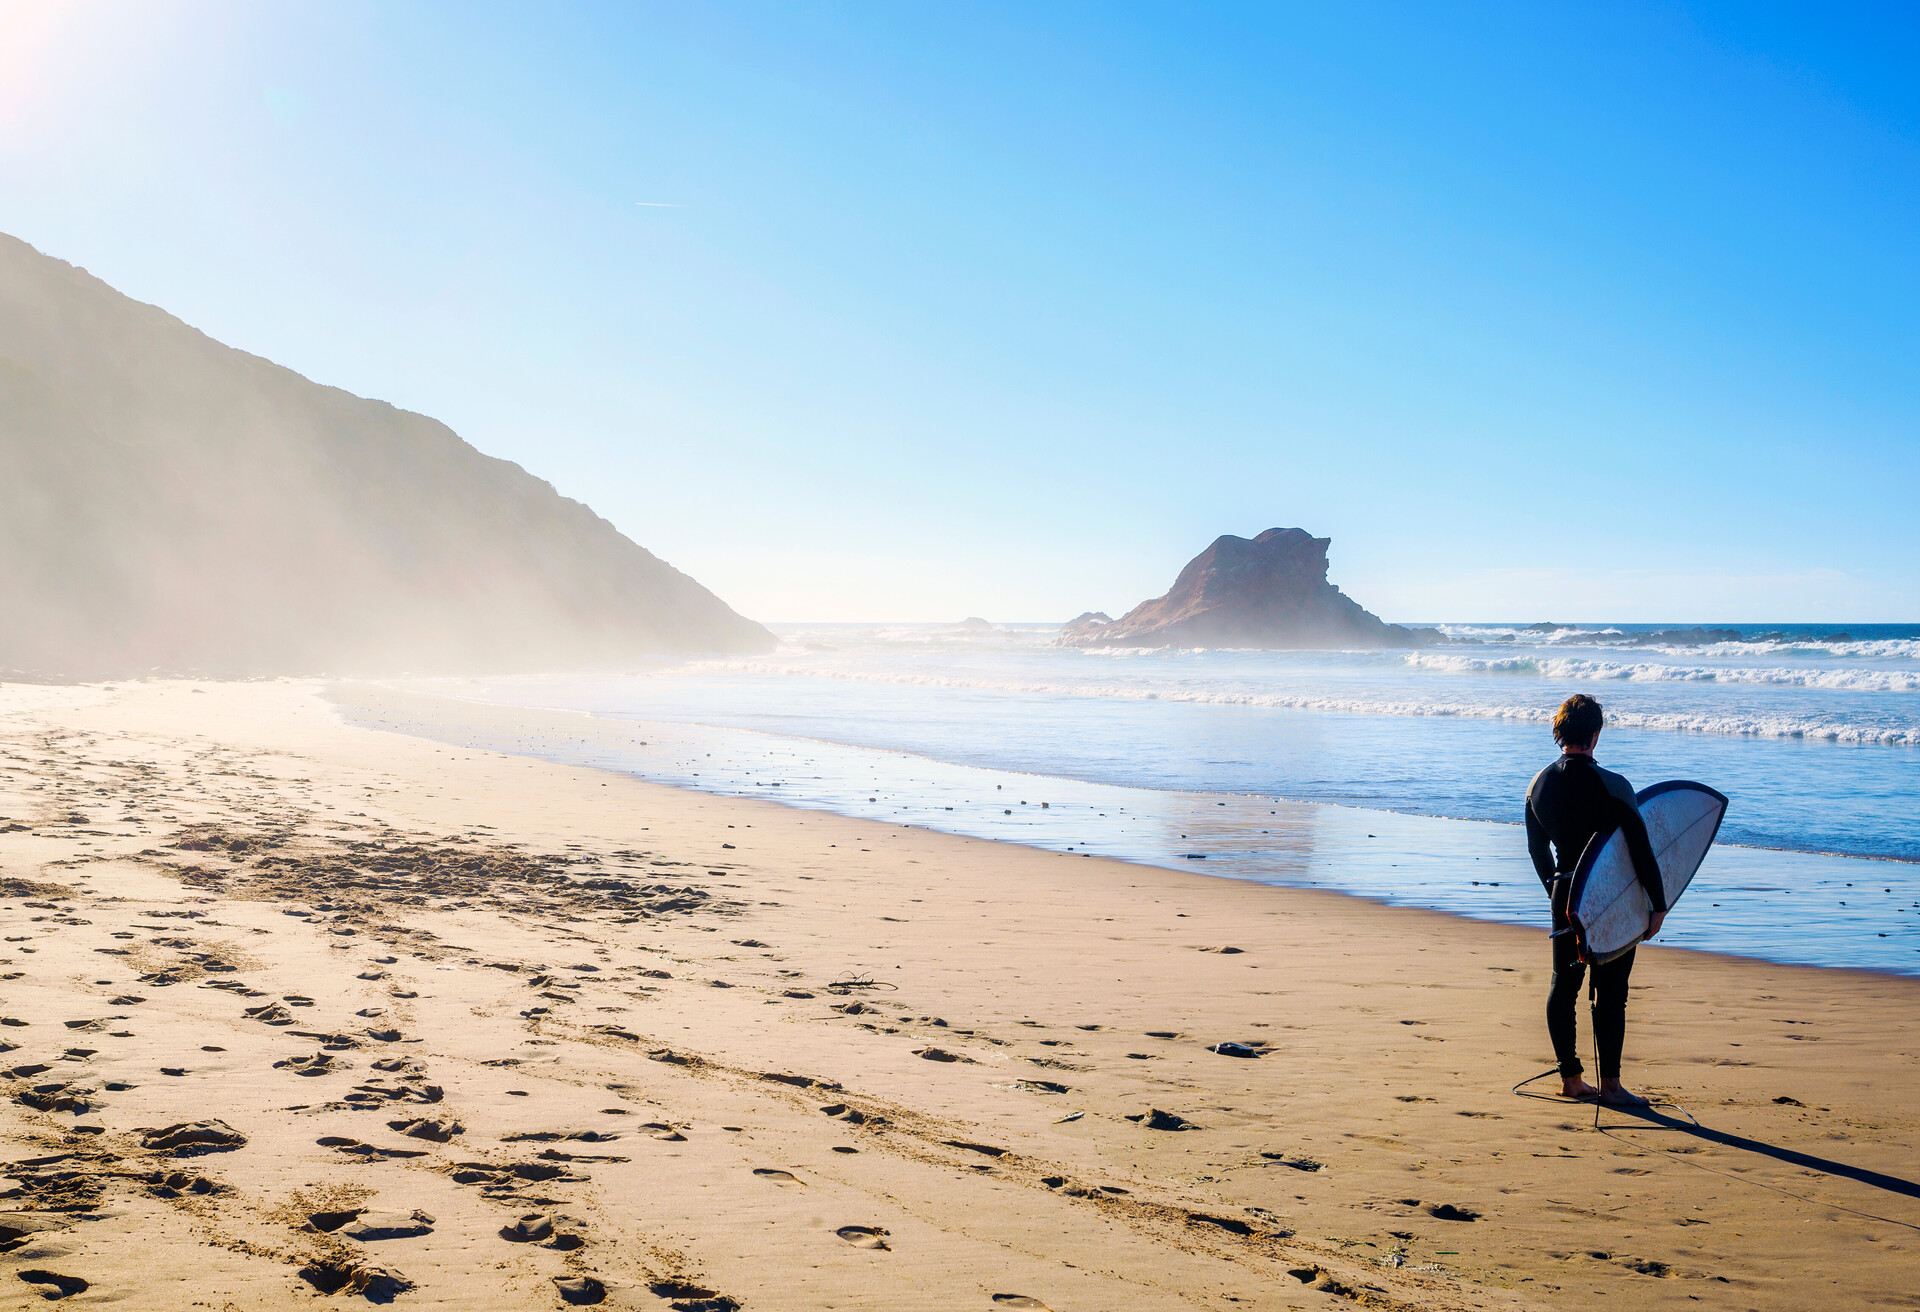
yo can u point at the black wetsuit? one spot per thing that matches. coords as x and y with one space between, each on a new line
1567 804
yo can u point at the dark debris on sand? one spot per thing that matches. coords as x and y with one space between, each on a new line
359 874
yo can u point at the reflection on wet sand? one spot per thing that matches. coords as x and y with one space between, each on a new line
1796 907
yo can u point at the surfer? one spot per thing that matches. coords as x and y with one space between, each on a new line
1567 804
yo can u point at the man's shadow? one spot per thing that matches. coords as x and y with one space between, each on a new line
1891 1183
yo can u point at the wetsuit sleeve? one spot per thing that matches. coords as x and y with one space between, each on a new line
1645 866
1538 848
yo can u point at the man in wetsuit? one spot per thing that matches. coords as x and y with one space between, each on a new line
1568 803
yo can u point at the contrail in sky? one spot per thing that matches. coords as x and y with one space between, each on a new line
659 204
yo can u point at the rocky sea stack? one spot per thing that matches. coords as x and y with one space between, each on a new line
1269 591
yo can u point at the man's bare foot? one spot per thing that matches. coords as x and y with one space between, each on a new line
1575 1087
1614 1094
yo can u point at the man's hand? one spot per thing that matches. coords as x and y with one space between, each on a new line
1653 925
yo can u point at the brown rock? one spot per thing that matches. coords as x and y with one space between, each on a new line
1267 591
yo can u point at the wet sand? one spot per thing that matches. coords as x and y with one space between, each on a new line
297 1012
1853 912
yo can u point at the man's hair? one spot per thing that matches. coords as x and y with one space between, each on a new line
1577 723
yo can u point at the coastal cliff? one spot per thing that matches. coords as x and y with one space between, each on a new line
1266 591
171 504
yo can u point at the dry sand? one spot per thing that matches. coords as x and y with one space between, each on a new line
452 1028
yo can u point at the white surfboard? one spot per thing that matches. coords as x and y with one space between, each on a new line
1607 907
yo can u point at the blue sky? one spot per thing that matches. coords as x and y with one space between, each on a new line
1571 312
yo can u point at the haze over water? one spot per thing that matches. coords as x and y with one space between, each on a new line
1173 757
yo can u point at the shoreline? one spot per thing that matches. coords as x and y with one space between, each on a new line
1045 777
502 916
1398 858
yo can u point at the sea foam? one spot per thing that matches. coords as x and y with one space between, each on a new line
1209 693
1572 667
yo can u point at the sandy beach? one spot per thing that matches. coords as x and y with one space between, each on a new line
296 1012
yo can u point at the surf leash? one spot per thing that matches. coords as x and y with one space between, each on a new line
1612 1132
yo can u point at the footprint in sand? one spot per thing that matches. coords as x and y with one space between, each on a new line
529 1229
58 1097
55 1285
334 1275
580 1290
865 1236
495 1176
692 1298
320 1063
371 1227
354 1148
194 1138
1155 1119
1318 1278
1297 1163
785 1179
171 1184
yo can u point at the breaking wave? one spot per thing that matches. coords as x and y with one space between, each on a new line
1875 649
1737 723
1569 667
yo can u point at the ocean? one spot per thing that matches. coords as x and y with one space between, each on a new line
1388 774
